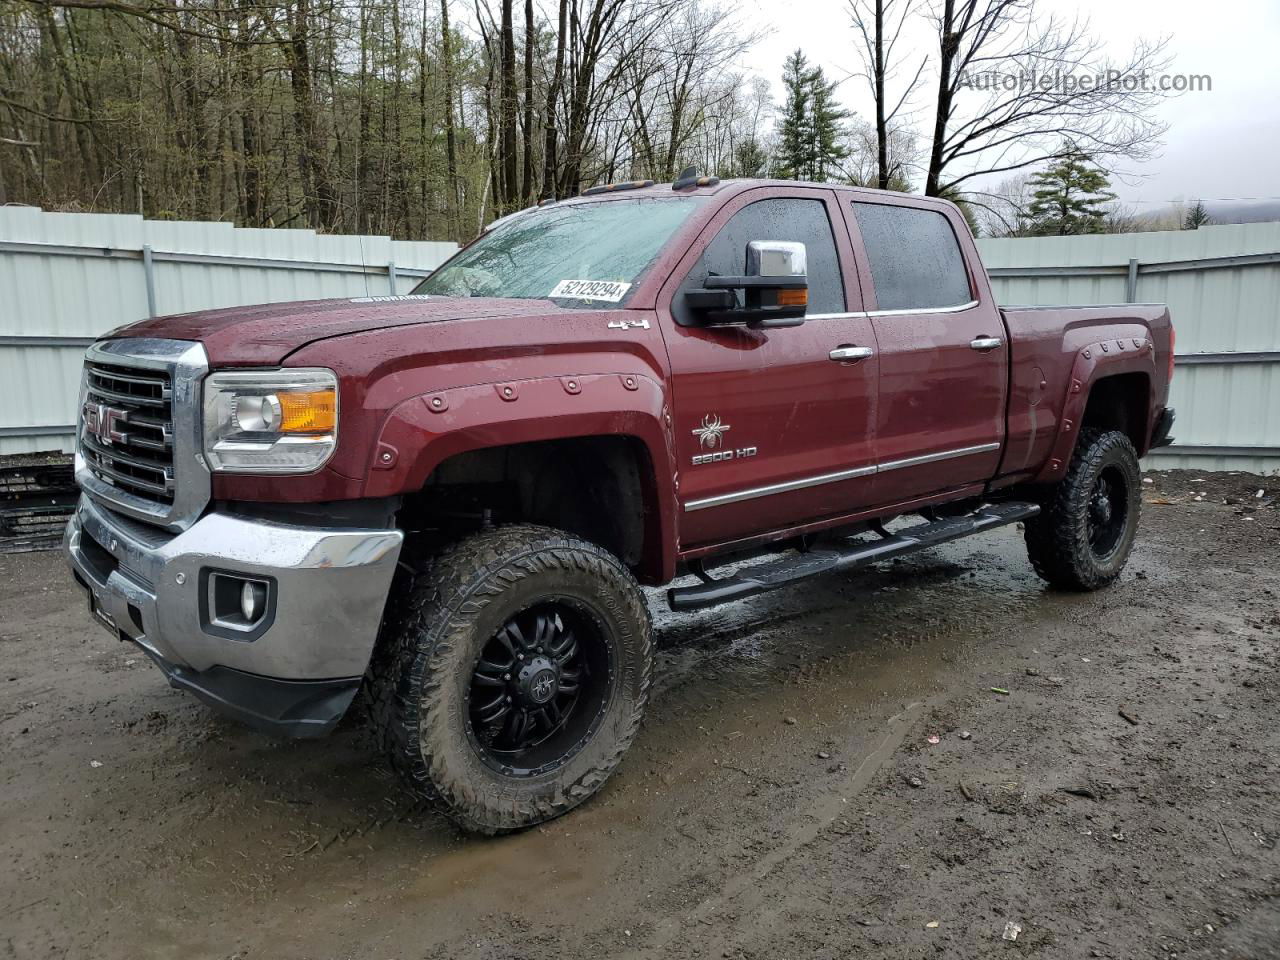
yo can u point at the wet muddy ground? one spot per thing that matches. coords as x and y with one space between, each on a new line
907 762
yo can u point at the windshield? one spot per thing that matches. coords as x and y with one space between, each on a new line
584 255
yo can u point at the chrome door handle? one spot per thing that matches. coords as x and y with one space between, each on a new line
985 343
851 353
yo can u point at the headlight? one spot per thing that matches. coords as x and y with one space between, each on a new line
270 421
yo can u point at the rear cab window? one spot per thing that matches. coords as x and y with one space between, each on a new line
916 261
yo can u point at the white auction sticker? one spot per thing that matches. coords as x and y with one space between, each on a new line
608 290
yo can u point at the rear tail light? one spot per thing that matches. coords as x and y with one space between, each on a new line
1173 336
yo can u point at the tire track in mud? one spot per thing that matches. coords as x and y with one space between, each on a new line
745 886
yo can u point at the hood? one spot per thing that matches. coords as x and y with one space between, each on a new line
264 335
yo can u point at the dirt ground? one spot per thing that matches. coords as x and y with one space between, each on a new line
895 764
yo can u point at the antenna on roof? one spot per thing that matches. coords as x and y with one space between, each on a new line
690 178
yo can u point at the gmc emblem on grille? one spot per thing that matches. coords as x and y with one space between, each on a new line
104 423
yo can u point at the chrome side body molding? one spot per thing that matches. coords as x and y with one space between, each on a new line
754 492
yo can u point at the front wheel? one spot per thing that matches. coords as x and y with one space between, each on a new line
515 673
1086 528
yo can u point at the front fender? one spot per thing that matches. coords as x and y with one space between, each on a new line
1093 362
423 431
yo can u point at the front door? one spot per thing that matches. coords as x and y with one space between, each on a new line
944 362
773 428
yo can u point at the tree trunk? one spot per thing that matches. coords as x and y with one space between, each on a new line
82 136
550 161
399 184
527 189
882 131
363 220
454 195
253 208
947 54
320 202
507 110
424 141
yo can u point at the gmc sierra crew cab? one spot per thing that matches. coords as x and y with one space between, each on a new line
446 502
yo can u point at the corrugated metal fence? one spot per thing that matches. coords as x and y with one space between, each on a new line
1222 285
67 278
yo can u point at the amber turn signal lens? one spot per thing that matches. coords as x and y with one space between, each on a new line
314 411
793 298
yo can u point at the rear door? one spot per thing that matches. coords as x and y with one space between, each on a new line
944 363
771 430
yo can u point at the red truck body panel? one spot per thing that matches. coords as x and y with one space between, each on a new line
775 392
816 443
937 393
1056 355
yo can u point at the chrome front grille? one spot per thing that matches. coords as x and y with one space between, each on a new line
138 448
127 428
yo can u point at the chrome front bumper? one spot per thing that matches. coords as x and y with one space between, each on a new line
299 673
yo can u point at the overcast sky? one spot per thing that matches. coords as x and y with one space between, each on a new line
1223 143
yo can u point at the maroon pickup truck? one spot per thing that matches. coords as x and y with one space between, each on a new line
446 501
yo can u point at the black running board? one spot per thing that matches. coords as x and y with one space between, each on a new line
856 553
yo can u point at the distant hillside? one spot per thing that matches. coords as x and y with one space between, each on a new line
1172 216
1242 211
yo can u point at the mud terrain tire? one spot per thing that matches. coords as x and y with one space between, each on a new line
439 630
1087 524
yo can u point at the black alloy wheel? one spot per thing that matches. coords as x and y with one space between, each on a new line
1108 512
538 689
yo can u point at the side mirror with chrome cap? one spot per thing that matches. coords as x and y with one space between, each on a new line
774 292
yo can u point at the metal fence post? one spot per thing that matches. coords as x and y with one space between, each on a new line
149 273
1131 284
391 276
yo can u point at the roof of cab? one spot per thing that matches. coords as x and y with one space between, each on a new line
725 189
736 186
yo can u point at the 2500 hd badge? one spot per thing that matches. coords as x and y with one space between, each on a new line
721 455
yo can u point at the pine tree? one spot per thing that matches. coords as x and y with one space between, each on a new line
827 127
813 133
793 151
1197 217
1068 198
749 159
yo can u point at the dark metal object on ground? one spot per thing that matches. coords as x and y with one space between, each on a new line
37 495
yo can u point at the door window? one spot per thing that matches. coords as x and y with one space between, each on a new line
782 218
915 258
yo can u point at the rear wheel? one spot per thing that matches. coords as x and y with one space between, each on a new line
1085 531
513 676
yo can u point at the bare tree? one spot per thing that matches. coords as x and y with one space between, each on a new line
378 115
1002 210
507 111
879 25
555 83
1016 83
319 196
862 166
678 84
